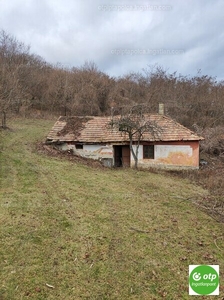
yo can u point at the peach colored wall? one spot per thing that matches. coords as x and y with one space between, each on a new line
177 154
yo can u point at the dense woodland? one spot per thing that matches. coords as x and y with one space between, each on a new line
29 86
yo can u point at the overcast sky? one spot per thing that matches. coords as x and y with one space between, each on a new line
122 36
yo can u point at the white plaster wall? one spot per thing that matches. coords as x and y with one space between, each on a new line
65 147
99 149
163 151
91 148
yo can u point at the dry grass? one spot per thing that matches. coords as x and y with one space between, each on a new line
210 177
96 233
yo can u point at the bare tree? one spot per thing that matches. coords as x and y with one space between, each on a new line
28 82
13 57
134 121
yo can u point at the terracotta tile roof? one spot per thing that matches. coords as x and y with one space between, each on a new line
98 130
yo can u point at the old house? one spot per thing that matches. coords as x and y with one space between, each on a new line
173 147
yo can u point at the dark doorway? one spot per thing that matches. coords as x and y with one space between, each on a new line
121 156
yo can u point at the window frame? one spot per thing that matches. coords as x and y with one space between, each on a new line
147 152
79 146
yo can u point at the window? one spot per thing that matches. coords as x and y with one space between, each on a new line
148 151
79 146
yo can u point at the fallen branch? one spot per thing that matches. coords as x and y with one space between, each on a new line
50 286
216 243
138 230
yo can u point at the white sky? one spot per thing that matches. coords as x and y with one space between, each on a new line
122 36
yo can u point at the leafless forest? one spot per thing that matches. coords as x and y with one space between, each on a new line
30 86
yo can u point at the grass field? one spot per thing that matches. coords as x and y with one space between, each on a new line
70 231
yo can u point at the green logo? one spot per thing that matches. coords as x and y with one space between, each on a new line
203 280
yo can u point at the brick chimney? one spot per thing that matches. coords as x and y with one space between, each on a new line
161 109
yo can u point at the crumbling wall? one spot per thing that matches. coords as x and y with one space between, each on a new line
96 152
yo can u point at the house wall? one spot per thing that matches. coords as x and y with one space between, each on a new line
106 150
66 146
171 155
91 148
97 152
103 153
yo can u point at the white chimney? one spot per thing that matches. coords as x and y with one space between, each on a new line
161 109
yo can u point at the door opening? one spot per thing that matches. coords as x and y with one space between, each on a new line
122 156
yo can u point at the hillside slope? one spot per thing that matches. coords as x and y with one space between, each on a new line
70 231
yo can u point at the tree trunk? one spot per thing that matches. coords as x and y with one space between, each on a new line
135 155
4 119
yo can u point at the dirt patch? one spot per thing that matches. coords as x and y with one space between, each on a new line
73 125
52 151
